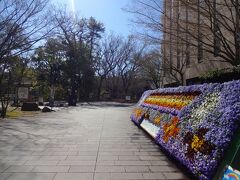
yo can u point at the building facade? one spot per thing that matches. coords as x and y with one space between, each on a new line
190 44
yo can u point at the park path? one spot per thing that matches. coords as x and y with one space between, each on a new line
82 143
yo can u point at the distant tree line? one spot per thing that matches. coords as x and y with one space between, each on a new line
68 57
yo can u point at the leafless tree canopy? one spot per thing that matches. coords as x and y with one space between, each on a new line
190 29
23 23
147 15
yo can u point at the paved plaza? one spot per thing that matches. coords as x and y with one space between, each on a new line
87 142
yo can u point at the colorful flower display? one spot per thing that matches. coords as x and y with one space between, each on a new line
197 143
139 114
170 129
195 124
176 101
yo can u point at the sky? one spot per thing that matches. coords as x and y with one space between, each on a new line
109 12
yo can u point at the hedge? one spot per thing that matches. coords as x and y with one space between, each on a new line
194 124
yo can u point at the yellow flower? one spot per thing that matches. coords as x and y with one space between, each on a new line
138 112
196 143
157 120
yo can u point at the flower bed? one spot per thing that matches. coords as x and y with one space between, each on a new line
195 124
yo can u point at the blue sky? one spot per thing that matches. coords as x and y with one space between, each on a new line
108 12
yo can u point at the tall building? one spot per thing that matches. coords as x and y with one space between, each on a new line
186 34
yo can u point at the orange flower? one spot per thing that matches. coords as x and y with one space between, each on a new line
138 112
171 129
157 120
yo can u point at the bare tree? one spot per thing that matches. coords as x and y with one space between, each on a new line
129 63
211 26
123 79
151 65
215 28
109 55
201 29
147 15
23 23
126 65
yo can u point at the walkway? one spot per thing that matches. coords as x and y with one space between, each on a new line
83 143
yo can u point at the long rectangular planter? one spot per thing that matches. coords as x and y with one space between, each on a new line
194 124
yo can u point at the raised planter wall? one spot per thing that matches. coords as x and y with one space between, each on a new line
194 124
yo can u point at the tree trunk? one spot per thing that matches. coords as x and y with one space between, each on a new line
99 88
52 94
155 82
126 91
183 79
3 112
4 103
72 96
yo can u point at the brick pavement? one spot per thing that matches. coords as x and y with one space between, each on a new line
83 143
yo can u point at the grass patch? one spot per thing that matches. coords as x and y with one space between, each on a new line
14 113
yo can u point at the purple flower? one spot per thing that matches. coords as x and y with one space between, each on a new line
222 120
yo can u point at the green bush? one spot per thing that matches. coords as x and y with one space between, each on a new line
221 75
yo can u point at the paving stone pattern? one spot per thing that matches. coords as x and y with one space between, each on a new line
82 143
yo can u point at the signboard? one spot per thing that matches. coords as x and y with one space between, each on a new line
23 93
150 128
128 98
231 174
